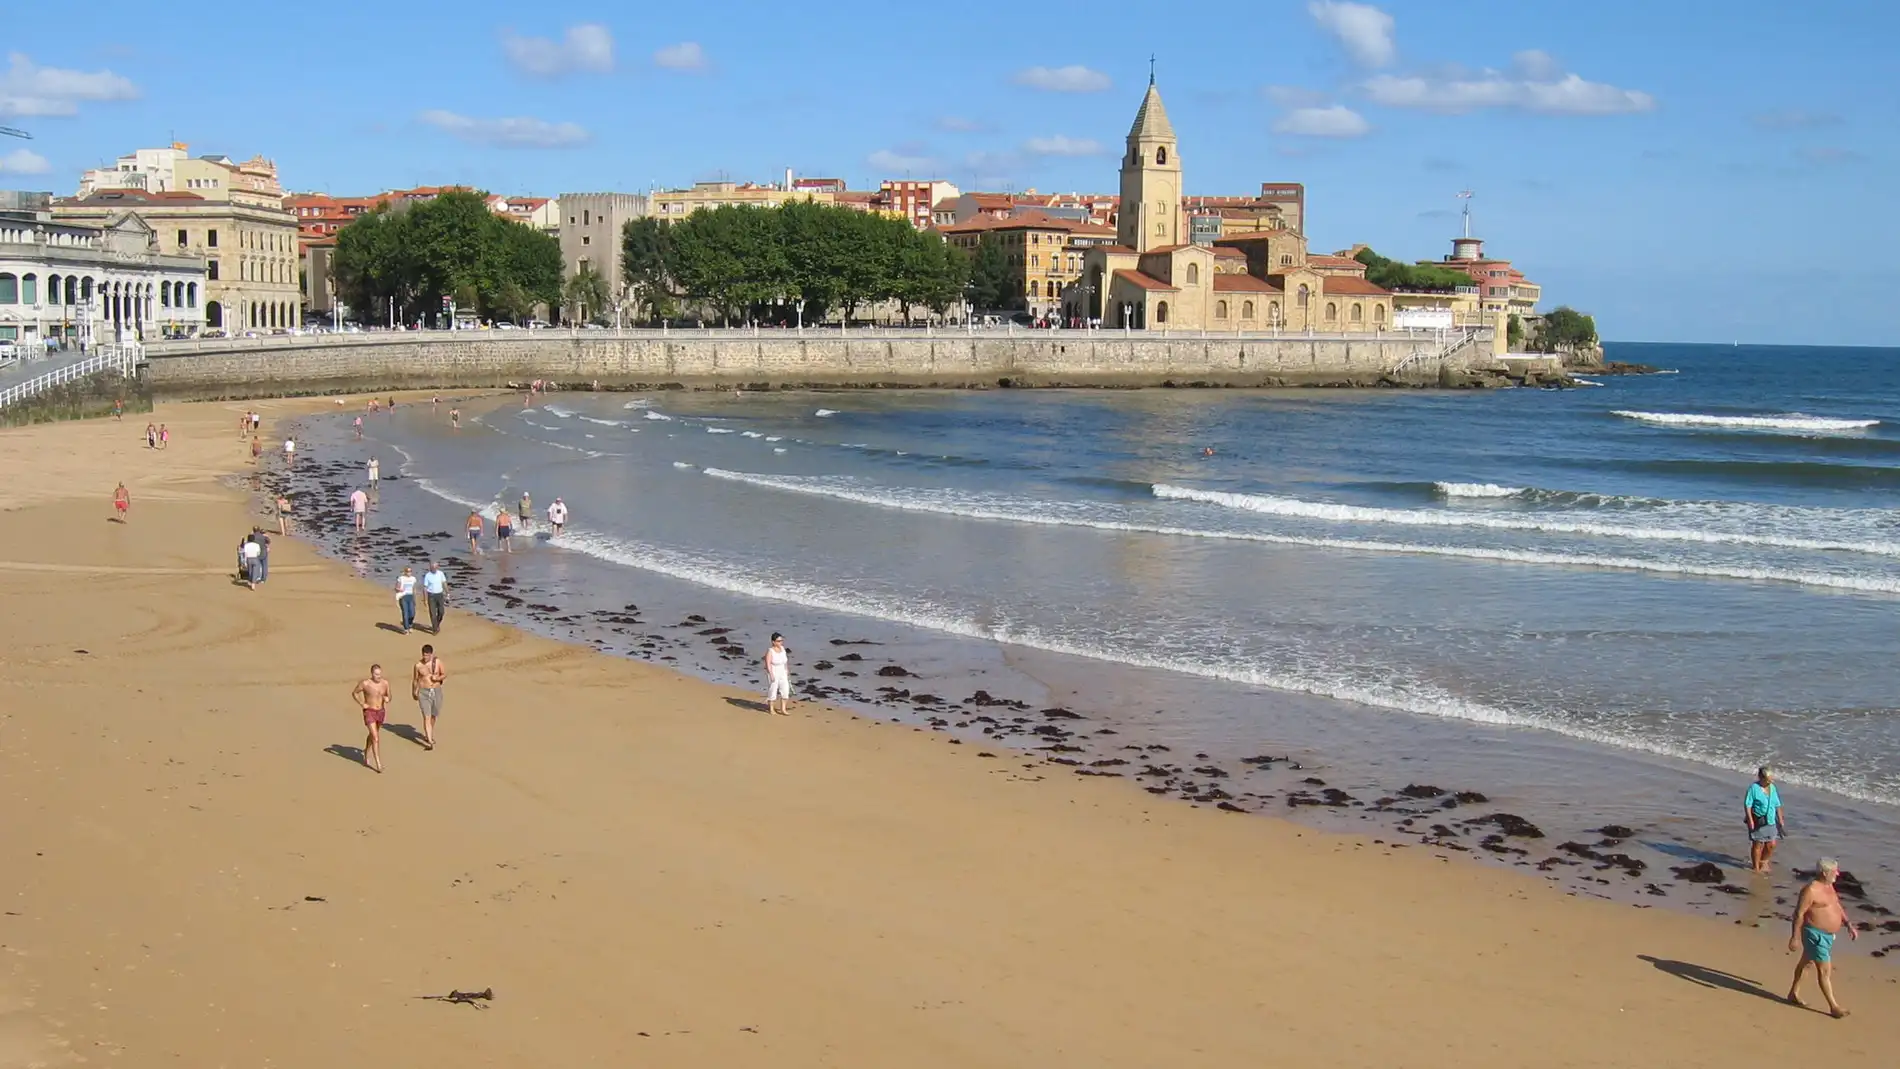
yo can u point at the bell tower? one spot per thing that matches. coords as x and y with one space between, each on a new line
1150 214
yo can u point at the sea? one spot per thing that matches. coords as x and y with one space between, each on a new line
1588 608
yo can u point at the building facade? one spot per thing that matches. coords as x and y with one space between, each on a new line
680 203
913 200
591 225
66 285
1157 276
247 245
1045 253
1502 289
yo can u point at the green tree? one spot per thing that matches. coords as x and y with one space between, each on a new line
1567 330
646 264
1514 332
1392 274
586 295
452 246
992 279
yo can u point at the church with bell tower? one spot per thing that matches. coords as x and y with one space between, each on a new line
1155 277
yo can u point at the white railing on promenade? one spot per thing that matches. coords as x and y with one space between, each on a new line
123 359
185 347
1451 342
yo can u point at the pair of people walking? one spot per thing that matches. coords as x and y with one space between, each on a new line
1818 915
371 695
435 590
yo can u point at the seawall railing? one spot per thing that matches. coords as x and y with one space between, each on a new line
123 359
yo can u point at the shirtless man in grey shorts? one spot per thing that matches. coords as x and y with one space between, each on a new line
425 686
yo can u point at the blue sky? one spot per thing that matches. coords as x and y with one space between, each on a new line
1689 170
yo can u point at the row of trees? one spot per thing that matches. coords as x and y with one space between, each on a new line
796 262
452 246
1397 275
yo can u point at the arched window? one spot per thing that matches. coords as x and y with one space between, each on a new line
214 314
85 289
1246 310
164 294
1220 310
1161 312
1378 313
29 289
1194 274
1273 311
191 295
1358 312
52 289
9 288
1161 155
1332 312
1304 293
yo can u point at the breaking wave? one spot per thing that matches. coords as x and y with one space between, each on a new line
1793 421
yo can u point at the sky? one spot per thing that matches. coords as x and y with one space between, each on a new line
1689 170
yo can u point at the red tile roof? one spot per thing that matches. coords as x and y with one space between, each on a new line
1147 282
1224 253
1163 248
1349 284
1243 284
1334 261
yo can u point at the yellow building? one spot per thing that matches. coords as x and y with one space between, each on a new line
1154 278
1045 253
680 203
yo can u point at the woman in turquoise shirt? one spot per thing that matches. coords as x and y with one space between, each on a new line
1761 807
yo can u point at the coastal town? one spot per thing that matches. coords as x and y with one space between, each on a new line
165 244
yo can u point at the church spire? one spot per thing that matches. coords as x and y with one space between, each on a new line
1151 122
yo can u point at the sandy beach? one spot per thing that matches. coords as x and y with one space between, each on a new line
646 870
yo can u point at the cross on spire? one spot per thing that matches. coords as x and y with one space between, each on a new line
1151 68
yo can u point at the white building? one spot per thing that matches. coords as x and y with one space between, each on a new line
67 285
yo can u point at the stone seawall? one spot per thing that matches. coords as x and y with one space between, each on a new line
324 364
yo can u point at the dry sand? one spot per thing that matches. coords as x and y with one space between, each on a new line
200 872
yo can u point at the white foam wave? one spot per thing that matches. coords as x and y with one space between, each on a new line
1273 505
557 410
825 412
1478 490
719 430
639 402
1584 382
778 449
752 434
604 422
1793 421
1012 512
651 414
774 437
682 465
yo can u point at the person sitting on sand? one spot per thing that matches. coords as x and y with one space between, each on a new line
1818 918
1761 808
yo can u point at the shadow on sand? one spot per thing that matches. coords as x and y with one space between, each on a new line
1703 976
748 704
352 754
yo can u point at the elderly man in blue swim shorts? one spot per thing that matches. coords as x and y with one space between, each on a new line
1818 918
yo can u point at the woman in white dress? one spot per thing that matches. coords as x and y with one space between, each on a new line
778 675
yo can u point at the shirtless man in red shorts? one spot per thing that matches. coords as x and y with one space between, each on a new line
372 695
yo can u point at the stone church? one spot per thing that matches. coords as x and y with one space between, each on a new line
1154 278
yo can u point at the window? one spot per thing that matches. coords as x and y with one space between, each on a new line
164 295
211 239
1273 311
1358 313
1035 259
587 218
1332 312
586 239
9 289
1286 260
1246 310
30 289
211 270
191 295
1161 155
184 238
1194 274
1161 312
1220 310
1378 313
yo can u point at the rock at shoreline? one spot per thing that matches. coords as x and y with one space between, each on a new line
1700 872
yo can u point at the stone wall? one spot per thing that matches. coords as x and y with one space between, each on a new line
785 359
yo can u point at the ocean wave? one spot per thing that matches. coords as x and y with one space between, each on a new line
774 437
604 422
778 449
1479 490
752 434
682 465
638 402
1272 505
557 410
651 414
1012 512
1392 693
825 412
1793 421
720 430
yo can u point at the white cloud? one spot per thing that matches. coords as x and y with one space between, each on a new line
957 124
1073 79
583 48
1534 83
27 89
507 132
1336 120
685 56
905 159
1293 96
1364 30
1794 119
23 161
1060 145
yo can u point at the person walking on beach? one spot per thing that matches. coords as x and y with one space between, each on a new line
778 677
164 436
455 418
557 516
435 586
253 562
504 531
290 452
1818 918
359 428
359 508
425 686
257 421
375 473
475 532
372 696
118 410
406 597
283 515
263 553
122 502
151 436
526 510
1761 808
257 448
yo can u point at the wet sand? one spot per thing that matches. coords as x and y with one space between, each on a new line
643 868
